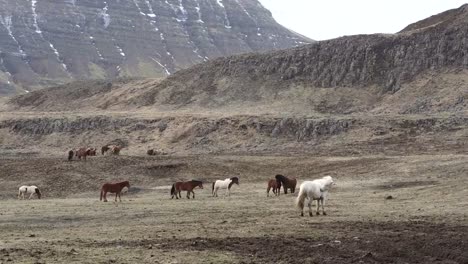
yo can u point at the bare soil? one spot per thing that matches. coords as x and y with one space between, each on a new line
425 222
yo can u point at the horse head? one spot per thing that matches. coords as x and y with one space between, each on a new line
38 193
235 180
127 184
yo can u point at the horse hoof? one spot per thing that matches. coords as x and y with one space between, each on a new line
324 213
311 214
302 214
318 213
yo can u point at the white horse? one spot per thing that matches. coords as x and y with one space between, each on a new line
226 184
314 190
31 190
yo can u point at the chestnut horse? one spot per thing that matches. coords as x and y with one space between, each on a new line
275 185
91 151
113 188
185 186
288 183
81 153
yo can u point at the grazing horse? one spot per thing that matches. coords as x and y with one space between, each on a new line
314 190
113 188
288 183
81 153
104 149
29 190
275 185
71 153
185 186
226 184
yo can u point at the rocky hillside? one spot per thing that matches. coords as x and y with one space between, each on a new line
47 42
422 69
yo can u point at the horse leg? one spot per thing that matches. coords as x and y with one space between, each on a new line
323 206
268 191
30 196
120 198
116 194
188 194
318 205
105 194
309 204
193 193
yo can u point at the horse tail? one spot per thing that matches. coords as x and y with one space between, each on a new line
173 189
102 193
300 199
212 188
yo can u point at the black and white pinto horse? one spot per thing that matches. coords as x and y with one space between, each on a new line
31 190
224 184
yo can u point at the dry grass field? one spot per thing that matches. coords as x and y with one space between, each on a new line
425 222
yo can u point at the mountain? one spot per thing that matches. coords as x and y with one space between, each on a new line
422 69
50 42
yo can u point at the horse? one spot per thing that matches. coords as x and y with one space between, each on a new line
115 150
275 185
104 149
288 183
185 186
314 190
91 151
29 190
71 153
113 188
81 153
226 184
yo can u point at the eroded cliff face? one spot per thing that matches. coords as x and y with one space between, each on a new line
46 42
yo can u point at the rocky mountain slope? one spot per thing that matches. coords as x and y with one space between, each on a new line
422 69
47 42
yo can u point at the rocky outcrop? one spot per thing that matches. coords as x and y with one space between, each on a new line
47 42
251 134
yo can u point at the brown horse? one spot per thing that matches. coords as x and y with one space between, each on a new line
185 186
288 183
275 185
115 150
81 153
113 188
91 151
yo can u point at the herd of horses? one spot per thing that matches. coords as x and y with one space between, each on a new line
82 153
315 190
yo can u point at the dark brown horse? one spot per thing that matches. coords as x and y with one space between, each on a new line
71 153
185 186
288 183
104 149
113 188
275 185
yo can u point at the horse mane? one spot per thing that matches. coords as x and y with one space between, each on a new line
281 178
196 181
232 182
